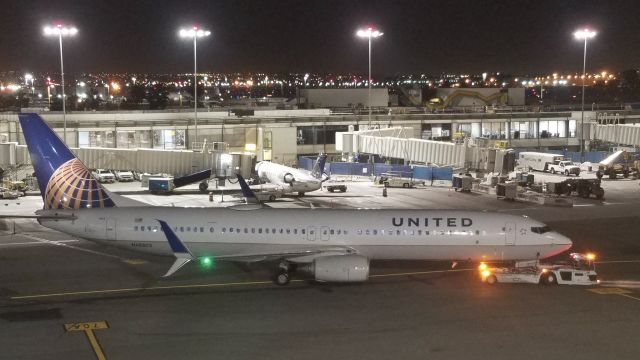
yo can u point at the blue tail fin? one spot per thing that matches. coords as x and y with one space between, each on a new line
65 182
318 167
246 190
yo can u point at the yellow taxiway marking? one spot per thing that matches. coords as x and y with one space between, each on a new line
614 291
88 328
204 286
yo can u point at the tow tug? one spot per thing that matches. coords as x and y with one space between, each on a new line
579 270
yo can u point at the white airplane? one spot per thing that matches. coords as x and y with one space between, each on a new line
332 245
290 180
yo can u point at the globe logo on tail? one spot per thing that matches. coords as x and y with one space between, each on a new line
72 187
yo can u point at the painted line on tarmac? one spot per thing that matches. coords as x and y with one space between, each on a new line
35 243
617 261
203 286
94 252
419 273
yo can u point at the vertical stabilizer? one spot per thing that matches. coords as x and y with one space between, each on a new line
65 182
318 167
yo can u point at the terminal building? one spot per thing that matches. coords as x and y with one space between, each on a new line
283 135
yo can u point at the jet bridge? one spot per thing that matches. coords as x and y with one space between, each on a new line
622 134
153 161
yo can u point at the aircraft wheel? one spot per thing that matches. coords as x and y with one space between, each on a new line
492 279
272 197
405 185
282 278
548 279
203 186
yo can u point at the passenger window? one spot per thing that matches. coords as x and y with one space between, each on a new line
211 229
303 231
367 232
188 228
419 232
477 232
224 230
375 232
253 230
246 231
331 232
230 229
259 230
238 230
141 228
398 232
266 230
426 232
135 228
281 231
201 229
288 231
273 231
155 229
359 232
344 232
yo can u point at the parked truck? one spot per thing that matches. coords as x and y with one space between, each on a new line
552 163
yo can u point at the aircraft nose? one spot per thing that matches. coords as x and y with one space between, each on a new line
559 239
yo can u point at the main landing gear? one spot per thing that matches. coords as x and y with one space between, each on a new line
283 274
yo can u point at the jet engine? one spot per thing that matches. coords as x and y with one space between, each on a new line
288 178
339 268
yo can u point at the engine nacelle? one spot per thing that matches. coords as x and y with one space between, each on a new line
340 268
288 178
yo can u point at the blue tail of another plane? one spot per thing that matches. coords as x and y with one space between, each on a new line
318 167
65 182
246 190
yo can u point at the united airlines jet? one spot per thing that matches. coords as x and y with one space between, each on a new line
332 245
291 180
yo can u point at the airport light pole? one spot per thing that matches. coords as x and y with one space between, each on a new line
195 32
61 31
583 34
369 33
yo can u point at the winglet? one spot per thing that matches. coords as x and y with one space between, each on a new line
180 251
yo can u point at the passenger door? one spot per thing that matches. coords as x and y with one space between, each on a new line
111 229
510 233
311 233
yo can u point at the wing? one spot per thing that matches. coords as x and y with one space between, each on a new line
303 255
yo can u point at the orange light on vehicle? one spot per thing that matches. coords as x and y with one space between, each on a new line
544 271
591 256
485 273
482 266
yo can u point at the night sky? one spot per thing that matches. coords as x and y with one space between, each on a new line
453 36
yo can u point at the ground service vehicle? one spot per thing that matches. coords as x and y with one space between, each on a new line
391 179
103 176
553 163
123 175
619 163
580 270
564 167
336 187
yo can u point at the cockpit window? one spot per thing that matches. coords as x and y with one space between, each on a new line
540 229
